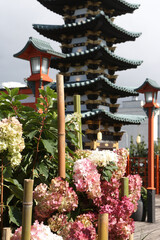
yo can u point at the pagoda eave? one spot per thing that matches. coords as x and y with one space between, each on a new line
99 84
105 116
120 6
98 53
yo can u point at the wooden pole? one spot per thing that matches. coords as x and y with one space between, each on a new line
77 108
124 187
103 226
157 174
27 209
6 233
125 192
61 127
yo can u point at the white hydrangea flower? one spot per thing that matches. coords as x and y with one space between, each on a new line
11 139
102 158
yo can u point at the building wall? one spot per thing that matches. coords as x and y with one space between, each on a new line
135 107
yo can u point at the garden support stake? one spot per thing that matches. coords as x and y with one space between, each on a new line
77 108
61 126
103 226
27 209
125 192
6 233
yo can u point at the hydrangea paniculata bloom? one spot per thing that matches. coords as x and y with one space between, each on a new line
59 197
103 158
87 178
38 232
11 139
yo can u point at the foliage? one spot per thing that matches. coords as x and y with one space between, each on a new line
39 158
138 149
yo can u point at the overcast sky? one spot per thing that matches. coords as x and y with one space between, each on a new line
17 17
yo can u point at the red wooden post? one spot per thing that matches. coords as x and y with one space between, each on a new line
157 174
61 127
128 166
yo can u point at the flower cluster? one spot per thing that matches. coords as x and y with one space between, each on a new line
87 178
122 163
135 184
11 139
103 158
73 119
78 231
38 232
59 197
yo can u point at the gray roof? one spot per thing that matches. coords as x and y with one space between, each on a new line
123 118
121 34
41 45
151 82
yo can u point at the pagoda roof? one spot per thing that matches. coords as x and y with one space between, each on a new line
149 82
118 7
100 52
100 83
110 117
39 45
100 22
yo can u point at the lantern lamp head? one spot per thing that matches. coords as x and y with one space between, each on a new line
39 53
150 89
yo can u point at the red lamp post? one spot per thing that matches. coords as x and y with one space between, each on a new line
39 53
150 89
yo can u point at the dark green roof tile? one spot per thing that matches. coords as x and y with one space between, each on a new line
125 119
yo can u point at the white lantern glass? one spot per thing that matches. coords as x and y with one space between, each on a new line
148 97
35 64
45 63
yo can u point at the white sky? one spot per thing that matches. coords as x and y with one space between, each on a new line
17 17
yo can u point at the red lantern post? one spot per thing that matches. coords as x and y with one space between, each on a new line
150 88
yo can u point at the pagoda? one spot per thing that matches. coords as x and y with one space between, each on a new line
88 39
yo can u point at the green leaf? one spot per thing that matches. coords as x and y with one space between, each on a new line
14 92
32 134
21 97
43 170
49 146
15 182
15 215
16 191
9 199
7 172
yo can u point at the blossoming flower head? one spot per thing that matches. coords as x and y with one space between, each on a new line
103 158
11 139
38 232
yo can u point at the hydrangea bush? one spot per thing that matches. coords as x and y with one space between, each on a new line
72 212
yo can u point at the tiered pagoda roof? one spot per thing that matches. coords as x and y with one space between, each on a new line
102 53
100 83
117 7
100 22
106 116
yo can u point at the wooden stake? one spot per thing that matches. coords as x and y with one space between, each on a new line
6 233
77 108
27 209
124 187
103 226
61 127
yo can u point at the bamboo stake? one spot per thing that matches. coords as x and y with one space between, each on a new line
103 226
77 108
124 187
125 192
27 209
6 233
61 126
